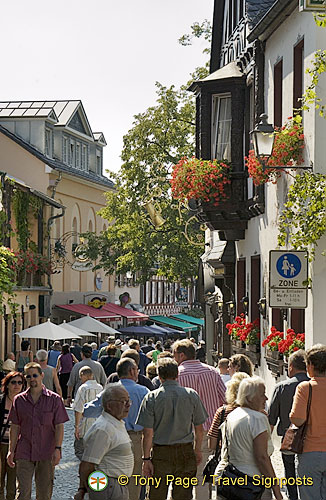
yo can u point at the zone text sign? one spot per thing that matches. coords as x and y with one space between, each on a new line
288 274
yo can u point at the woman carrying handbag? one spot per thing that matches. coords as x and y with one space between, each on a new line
312 462
247 447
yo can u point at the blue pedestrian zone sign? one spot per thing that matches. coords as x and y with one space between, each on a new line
288 274
288 265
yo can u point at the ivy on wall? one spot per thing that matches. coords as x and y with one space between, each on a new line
303 220
22 203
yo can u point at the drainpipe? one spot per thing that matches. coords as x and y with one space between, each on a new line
49 224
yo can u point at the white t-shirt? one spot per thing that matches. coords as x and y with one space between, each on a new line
243 426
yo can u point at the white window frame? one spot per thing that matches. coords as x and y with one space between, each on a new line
98 163
78 155
72 153
84 157
65 149
218 128
48 142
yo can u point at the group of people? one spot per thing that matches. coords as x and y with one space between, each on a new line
161 427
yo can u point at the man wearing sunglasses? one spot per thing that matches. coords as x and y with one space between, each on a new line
36 433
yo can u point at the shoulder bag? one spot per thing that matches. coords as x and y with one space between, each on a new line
236 485
213 460
294 438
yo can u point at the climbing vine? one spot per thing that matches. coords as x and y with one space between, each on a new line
7 279
303 220
20 205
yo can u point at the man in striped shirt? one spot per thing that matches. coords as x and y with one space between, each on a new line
206 381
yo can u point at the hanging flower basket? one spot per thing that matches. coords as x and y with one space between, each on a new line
287 150
205 180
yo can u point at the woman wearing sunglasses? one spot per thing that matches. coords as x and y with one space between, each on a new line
12 384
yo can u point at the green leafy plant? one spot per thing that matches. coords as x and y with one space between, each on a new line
7 279
20 205
310 96
303 220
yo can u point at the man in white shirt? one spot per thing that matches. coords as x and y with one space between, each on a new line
223 366
108 447
87 392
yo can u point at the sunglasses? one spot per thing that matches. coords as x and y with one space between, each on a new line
15 382
35 375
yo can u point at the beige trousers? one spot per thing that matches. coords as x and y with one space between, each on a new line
203 492
44 475
136 438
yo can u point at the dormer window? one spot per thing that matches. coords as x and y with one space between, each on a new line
221 127
98 161
78 155
72 157
65 149
48 142
84 161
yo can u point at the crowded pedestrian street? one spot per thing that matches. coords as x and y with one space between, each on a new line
162 250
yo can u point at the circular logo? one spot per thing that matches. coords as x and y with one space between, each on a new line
98 481
288 265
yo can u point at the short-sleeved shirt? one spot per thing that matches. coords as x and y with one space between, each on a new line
171 411
95 366
243 425
108 445
207 382
316 431
37 421
87 392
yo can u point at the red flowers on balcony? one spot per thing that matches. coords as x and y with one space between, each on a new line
287 151
246 332
200 179
275 341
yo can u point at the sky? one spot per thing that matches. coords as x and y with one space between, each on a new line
107 54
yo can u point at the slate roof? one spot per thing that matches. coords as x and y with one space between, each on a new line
59 111
56 164
256 9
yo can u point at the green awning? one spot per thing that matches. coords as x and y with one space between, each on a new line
173 322
189 319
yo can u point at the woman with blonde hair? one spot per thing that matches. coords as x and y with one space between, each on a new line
246 438
223 411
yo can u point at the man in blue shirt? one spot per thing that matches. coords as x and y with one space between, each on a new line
128 373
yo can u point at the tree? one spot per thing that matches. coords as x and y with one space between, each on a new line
159 137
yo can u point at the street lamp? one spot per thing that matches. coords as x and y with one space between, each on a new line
230 308
245 304
263 139
262 306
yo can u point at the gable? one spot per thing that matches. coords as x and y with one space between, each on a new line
76 123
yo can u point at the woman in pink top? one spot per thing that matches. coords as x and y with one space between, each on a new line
312 462
65 363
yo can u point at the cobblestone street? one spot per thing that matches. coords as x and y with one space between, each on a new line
66 474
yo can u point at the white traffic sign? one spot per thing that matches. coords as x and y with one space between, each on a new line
288 275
